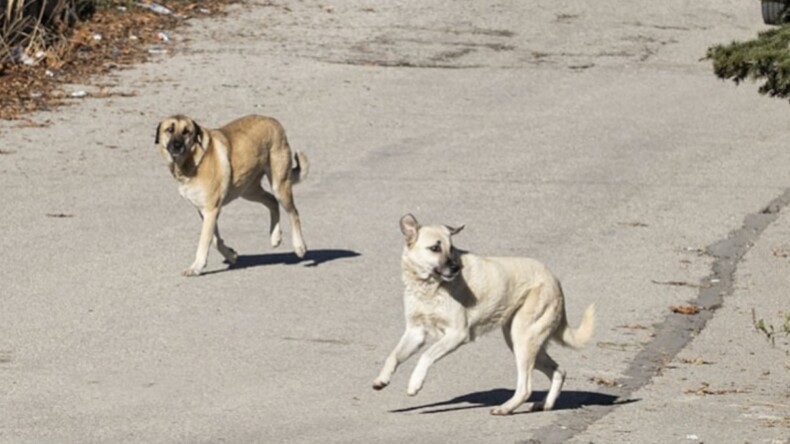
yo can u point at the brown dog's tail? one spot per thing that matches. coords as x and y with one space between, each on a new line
577 337
300 170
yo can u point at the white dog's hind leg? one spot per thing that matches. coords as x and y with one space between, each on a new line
451 340
409 343
549 367
525 362
528 336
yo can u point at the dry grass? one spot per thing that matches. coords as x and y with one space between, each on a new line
74 40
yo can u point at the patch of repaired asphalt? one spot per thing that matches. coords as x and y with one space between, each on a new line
677 330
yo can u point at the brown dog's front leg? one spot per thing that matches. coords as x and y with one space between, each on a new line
206 234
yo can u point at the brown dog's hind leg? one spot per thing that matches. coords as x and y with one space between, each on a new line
256 193
281 186
228 253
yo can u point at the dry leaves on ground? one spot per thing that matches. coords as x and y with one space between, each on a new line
695 361
705 389
119 34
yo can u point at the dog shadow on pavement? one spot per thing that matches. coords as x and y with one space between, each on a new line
568 400
313 258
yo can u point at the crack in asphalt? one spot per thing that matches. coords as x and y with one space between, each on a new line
676 331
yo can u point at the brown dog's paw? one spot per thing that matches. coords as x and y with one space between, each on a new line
231 257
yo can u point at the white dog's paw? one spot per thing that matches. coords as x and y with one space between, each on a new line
413 389
379 384
190 272
500 411
194 270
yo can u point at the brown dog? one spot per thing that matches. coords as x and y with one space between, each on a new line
213 167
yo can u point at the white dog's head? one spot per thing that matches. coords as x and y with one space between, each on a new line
429 250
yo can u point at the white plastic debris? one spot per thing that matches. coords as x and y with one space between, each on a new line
49 73
157 50
97 37
79 94
163 37
154 7
27 60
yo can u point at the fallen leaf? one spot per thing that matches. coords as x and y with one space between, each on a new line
605 381
685 309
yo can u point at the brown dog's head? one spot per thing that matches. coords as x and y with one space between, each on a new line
179 136
429 250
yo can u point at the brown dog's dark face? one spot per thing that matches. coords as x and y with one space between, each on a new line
179 136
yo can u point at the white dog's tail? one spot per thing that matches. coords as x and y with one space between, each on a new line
577 337
300 170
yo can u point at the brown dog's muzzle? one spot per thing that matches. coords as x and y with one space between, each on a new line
176 147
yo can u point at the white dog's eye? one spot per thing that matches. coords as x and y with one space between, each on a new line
436 247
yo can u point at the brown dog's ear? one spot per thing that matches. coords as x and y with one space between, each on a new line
454 231
409 227
198 133
156 138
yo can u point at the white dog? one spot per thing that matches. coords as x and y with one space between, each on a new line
456 296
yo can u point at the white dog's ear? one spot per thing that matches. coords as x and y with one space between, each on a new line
454 231
409 227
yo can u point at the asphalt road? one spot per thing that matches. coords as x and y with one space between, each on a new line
590 136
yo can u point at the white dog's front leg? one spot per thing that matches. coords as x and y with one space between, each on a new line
449 342
409 343
206 234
